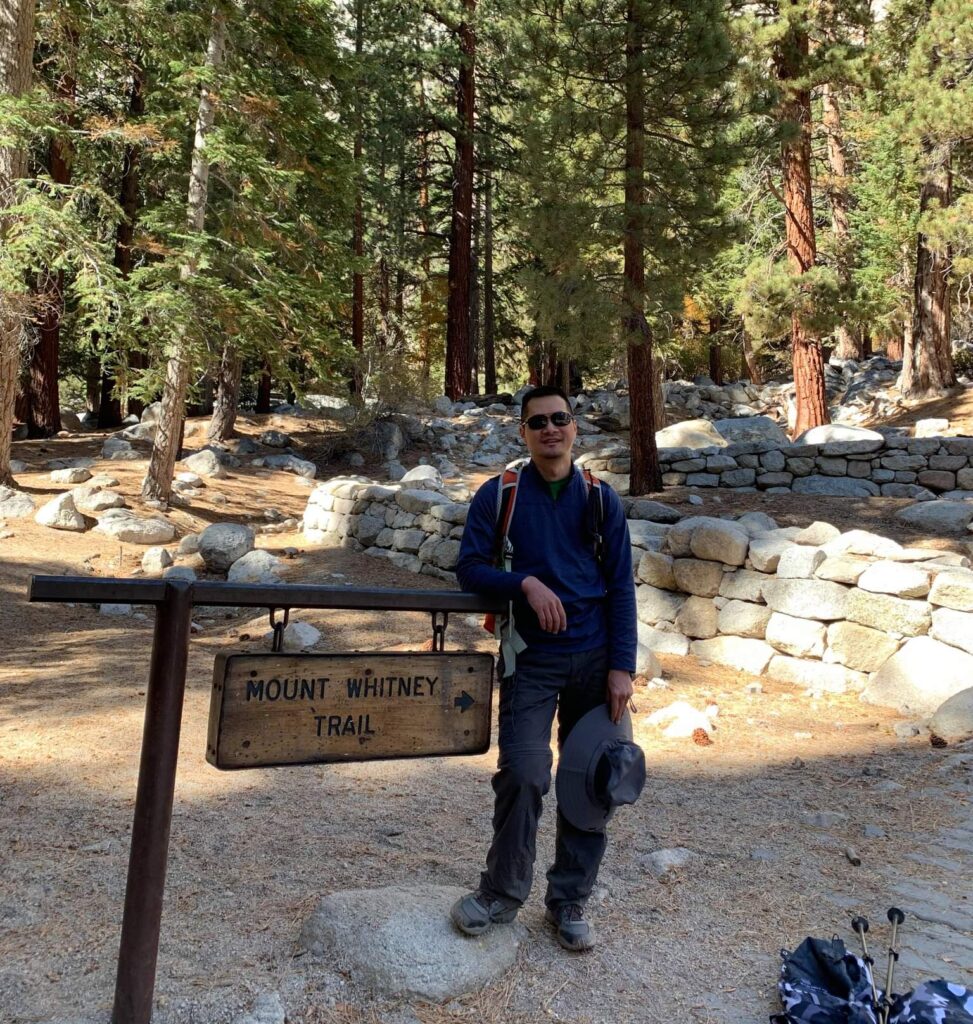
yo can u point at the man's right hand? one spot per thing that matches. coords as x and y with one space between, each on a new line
546 604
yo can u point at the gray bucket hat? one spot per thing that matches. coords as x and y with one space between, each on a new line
600 769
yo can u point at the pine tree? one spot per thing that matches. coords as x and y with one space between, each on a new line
16 46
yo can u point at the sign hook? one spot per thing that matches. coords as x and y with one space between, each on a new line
439 620
277 643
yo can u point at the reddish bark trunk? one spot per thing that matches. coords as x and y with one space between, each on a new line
110 406
929 367
715 350
461 227
358 231
263 391
808 360
645 474
846 343
489 328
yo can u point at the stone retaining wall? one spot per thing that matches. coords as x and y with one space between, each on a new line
827 611
894 467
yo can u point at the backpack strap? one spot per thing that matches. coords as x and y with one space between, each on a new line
507 484
595 513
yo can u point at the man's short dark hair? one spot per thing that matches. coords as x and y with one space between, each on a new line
544 391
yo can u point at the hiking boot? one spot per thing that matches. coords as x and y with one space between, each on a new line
573 931
476 911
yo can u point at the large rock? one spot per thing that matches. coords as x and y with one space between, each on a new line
767 548
953 628
842 568
696 577
422 954
917 679
156 560
815 675
289 464
742 618
817 534
941 517
651 511
889 614
798 562
646 662
419 501
831 432
680 536
720 542
743 585
124 525
737 652
221 544
690 434
60 514
424 477
255 567
655 568
953 720
656 605
698 618
751 428
76 475
862 542
859 647
15 504
205 463
807 599
662 641
953 588
896 579
803 638
835 486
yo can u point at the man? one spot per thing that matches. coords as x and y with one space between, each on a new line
576 613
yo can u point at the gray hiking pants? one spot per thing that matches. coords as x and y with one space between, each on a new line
571 684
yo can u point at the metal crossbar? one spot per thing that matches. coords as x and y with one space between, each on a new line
174 600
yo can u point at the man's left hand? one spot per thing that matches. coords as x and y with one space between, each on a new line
620 690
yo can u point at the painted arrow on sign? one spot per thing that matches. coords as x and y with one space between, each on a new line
464 701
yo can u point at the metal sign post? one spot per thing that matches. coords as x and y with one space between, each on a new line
174 600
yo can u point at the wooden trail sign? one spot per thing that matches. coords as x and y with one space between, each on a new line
276 709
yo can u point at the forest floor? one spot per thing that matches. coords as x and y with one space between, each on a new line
787 786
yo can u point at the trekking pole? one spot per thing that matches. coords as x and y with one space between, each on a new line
896 917
860 925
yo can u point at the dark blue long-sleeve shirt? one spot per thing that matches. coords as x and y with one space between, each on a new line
551 541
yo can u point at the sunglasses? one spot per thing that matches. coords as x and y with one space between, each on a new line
558 419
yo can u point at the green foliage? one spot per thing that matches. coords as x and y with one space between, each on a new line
770 297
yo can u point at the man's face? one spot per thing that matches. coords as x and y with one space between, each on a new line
549 442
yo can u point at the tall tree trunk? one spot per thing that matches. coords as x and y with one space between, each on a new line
489 326
16 49
263 390
425 287
790 61
646 474
44 404
928 367
461 225
165 448
475 292
715 354
227 395
750 361
43 401
110 407
400 253
846 344
358 233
